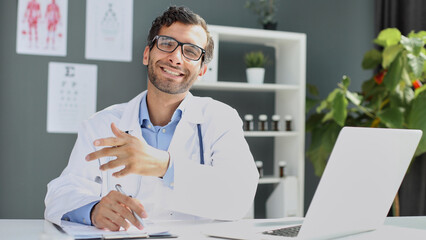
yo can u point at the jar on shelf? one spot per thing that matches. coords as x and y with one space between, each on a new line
248 122
288 123
275 122
263 122
259 165
282 165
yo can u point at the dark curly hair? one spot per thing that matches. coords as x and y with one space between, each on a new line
186 16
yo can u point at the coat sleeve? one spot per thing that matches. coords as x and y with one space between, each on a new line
225 190
78 184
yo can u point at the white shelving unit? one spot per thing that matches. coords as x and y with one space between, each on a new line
289 89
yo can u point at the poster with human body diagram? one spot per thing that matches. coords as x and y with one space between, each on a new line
42 27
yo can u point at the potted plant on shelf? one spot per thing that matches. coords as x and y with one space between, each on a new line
392 98
255 63
266 10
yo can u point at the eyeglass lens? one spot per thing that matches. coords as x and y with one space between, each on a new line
189 51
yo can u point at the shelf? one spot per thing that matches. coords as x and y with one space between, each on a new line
256 36
269 134
269 180
288 90
242 86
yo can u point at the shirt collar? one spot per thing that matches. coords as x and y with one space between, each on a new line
177 115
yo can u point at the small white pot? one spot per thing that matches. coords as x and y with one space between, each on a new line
255 75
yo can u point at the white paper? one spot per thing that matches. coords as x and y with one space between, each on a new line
109 26
42 27
71 96
84 231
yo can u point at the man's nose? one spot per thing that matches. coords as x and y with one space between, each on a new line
176 57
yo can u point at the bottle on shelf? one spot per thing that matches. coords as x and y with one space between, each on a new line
288 123
248 122
263 122
282 165
275 122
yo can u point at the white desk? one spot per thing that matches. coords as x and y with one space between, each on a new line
23 229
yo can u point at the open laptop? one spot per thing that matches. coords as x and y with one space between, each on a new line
356 191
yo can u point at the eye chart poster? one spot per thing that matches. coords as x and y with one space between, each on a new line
42 27
71 96
109 26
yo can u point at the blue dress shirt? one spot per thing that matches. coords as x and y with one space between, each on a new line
157 137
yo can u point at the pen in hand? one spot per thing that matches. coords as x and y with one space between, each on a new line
141 220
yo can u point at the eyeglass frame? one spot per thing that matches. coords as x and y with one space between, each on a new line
155 39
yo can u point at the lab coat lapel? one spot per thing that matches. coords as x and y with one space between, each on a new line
185 138
130 118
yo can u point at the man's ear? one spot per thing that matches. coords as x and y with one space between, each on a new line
146 56
203 70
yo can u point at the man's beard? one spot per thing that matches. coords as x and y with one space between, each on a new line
169 86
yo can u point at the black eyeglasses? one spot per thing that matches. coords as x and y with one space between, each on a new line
169 44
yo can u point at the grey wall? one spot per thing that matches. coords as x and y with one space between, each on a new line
338 33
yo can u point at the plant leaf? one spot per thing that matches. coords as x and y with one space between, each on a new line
413 45
367 87
393 76
339 108
392 117
313 121
322 106
354 97
322 142
419 90
416 64
346 81
420 34
416 119
388 37
405 76
310 103
312 89
371 59
389 54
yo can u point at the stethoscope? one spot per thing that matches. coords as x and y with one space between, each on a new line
99 180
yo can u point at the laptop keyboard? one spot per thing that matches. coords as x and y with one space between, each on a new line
285 232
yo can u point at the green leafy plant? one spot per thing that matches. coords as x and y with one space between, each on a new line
392 98
255 59
266 10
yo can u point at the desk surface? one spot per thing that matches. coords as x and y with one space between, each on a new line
26 229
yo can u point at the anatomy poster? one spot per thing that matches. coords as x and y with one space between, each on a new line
109 25
71 96
42 27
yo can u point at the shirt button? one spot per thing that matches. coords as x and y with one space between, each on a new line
149 126
164 130
84 220
171 213
172 184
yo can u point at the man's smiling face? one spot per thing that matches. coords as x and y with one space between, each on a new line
172 73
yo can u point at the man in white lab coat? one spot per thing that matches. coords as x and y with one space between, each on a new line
177 155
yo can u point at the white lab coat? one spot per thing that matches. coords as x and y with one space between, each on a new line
223 188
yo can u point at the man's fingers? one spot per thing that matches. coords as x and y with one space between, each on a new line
109 142
123 172
104 152
125 206
117 132
112 164
113 221
101 220
135 206
119 220
126 213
